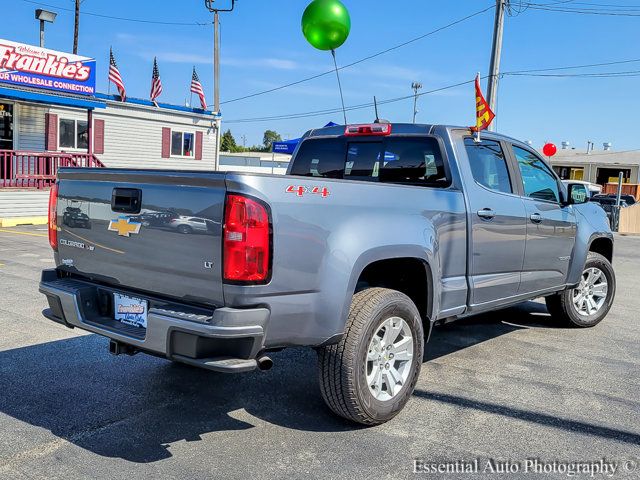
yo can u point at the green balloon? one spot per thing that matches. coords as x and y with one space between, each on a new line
326 24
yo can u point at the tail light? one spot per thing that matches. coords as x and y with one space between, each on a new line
247 241
53 219
375 129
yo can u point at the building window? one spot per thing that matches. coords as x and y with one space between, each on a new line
73 134
182 144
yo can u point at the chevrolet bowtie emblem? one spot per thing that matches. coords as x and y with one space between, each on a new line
124 226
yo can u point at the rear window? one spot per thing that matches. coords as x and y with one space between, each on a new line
405 160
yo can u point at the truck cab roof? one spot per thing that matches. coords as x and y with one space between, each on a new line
404 129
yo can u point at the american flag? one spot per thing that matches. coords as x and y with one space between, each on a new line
196 87
115 77
156 83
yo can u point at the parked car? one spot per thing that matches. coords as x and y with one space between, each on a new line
593 188
156 219
186 224
608 204
628 199
74 217
377 233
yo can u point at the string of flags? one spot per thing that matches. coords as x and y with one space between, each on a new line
156 82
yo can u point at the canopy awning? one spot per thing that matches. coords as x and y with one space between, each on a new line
289 146
33 95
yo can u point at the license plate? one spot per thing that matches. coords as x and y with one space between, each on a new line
130 310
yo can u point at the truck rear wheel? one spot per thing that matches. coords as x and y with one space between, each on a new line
590 301
369 376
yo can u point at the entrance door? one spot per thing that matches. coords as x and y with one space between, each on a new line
6 140
6 126
551 227
498 226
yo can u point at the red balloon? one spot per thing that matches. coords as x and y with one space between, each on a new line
549 149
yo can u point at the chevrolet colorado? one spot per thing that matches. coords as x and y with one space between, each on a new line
377 232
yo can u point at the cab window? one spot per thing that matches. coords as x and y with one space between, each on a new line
488 164
537 178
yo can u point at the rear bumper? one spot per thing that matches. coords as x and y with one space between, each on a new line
226 339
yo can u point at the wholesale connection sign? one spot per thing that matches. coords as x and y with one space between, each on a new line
31 66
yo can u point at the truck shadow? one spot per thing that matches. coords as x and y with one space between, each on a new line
135 408
451 337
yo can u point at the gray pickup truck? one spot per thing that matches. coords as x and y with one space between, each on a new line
376 233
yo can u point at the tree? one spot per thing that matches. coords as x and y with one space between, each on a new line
228 143
270 136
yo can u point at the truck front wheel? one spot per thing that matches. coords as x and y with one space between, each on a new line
369 376
590 301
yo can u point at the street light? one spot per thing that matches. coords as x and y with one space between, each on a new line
44 16
415 86
209 4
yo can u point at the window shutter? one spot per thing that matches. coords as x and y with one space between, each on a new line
166 142
51 132
98 137
198 145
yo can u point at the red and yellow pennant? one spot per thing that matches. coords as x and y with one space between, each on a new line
484 115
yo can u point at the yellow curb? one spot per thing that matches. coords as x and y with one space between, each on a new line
15 221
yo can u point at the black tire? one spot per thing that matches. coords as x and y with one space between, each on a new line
184 229
343 366
562 308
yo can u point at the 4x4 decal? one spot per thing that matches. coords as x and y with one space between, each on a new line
302 190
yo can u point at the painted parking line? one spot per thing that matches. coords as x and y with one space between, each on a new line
3 230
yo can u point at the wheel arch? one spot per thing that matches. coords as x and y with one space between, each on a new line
597 242
603 246
410 270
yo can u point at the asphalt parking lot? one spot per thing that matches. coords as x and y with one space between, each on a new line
509 386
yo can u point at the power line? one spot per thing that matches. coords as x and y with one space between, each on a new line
585 10
364 59
124 19
618 62
522 73
632 73
317 113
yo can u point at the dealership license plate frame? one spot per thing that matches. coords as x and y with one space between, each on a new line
135 312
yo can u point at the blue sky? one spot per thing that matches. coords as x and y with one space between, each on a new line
263 47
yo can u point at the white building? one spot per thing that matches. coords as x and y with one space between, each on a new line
45 124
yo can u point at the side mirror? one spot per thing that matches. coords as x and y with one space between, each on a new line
578 193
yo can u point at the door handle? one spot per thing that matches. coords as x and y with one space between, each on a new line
486 213
536 218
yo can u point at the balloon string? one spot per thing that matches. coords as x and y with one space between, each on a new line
335 64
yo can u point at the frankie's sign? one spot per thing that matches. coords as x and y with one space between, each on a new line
31 66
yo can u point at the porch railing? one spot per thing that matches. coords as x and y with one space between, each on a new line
20 169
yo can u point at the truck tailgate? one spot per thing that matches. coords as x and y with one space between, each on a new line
169 245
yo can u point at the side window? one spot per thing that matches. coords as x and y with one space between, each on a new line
488 164
323 157
413 161
538 180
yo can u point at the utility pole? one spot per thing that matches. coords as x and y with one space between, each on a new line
216 48
76 28
216 69
216 62
416 86
494 68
